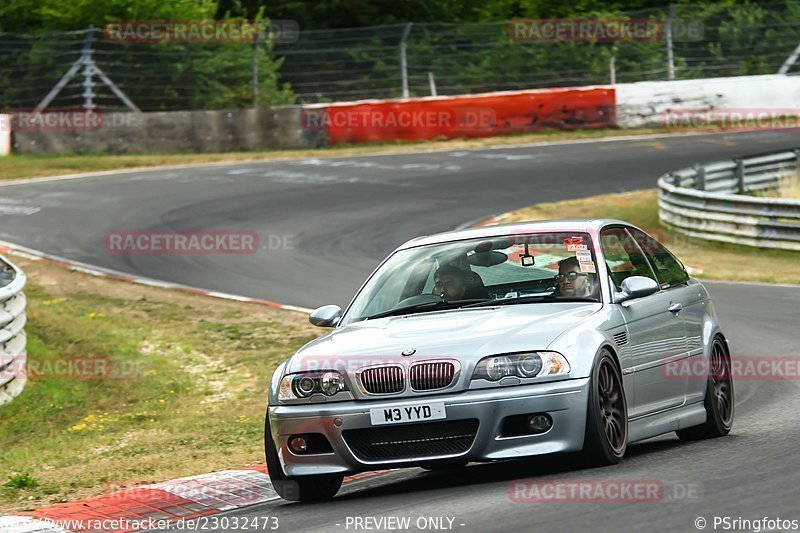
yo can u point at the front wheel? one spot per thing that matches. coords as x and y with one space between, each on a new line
606 437
297 488
718 400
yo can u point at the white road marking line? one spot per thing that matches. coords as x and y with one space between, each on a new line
237 171
18 210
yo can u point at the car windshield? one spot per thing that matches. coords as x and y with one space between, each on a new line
498 270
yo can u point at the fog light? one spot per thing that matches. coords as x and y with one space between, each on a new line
298 444
540 423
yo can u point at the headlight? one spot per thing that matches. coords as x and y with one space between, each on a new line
523 365
303 385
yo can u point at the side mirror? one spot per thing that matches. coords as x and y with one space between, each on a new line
636 287
326 316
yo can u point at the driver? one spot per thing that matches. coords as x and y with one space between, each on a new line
448 282
572 282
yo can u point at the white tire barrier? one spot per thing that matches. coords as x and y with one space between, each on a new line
13 357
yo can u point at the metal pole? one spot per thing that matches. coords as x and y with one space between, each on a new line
432 83
790 61
116 90
403 65
668 32
255 69
88 70
740 175
60 85
612 67
700 177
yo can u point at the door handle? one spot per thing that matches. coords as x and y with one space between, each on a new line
675 307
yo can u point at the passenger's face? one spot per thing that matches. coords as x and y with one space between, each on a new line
448 286
577 287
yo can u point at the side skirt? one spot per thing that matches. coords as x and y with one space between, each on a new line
665 421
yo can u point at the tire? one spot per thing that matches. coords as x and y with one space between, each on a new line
297 488
719 399
606 437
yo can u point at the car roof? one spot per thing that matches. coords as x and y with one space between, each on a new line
578 225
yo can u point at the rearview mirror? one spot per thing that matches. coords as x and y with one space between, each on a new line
636 287
327 316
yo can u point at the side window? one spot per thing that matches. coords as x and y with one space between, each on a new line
669 270
623 256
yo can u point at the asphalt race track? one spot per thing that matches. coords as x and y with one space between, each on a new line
325 223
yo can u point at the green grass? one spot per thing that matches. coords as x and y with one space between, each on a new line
185 392
30 166
706 259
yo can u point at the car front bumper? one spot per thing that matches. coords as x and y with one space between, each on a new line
565 401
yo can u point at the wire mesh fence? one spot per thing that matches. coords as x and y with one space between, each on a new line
154 76
392 61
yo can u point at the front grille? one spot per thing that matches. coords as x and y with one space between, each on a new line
432 376
383 380
412 440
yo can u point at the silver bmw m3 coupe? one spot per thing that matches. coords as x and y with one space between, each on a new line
497 343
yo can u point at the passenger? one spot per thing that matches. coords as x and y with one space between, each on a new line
572 283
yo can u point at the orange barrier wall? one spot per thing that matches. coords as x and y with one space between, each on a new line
465 116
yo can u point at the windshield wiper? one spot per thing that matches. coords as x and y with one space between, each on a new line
530 299
426 306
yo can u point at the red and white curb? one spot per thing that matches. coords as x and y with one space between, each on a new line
155 506
36 255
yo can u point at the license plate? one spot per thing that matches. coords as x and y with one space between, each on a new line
410 413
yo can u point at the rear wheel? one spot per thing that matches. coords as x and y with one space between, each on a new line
297 488
718 400
606 437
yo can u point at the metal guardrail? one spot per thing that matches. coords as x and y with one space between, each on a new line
710 201
13 357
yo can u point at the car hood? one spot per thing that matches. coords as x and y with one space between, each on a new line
465 334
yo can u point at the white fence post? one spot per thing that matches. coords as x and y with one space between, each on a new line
5 135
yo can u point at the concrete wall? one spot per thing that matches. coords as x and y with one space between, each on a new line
178 131
480 115
644 103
